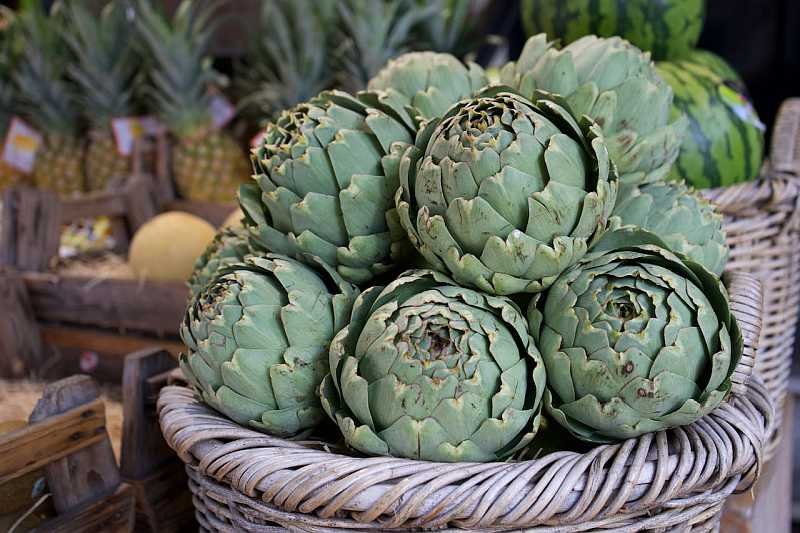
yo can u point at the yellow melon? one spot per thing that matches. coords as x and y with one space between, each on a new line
234 220
166 247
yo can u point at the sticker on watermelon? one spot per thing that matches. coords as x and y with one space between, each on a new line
21 144
740 106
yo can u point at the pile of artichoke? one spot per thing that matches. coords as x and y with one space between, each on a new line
437 264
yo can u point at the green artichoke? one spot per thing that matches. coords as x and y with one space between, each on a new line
428 83
326 172
430 370
684 220
634 340
617 86
505 194
258 336
230 245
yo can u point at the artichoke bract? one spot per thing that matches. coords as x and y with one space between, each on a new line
505 194
682 218
258 338
430 370
427 84
230 246
634 340
326 173
617 86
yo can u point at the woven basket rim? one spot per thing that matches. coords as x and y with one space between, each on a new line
667 468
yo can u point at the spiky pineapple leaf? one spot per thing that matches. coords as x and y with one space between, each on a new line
47 98
450 28
180 50
373 32
288 58
107 64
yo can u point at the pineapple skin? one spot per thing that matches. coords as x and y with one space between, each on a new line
210 169
59 166
103 161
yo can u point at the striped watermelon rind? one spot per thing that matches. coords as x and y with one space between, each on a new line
725 141
669 29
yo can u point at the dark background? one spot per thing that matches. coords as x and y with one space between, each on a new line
760 38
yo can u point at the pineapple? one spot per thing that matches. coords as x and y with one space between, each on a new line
49 101
105 70
8 175
287 61
372 33
207 165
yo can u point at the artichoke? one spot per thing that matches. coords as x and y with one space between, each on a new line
684 220
258 336
506 194
430 370
634 340
427 82
616 85
230 245
326 172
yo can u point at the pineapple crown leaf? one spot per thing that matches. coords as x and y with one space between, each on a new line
106 66
183 71
450 28
47 98
374 33
288 58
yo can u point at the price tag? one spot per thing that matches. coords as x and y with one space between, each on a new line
21 144
127 130
222 111
151 125
741 107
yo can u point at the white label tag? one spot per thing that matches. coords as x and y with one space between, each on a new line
222 111
127 130
21 144
151 125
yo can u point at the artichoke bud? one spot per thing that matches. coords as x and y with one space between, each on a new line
618 87
430 370
230 246
258 336
685 221
635 340
505 194
426 84
326 173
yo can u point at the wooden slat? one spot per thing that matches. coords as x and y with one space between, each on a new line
163 501
42 443
103 342
21 349
106 203
112 514
214 214
126 304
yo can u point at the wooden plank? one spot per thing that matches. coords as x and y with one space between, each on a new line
214 214
143 446
21 349
38 228
85 475
8 227
153 307
104 342
140 205
768 506
103 203
112 514
39 444
164 501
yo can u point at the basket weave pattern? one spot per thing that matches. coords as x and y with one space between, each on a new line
762 221
243 480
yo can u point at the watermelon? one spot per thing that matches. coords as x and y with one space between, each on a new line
718 66
669 29
725 141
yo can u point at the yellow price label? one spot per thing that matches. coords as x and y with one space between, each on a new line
25 143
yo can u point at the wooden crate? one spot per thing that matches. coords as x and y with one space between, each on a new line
66 439
50 322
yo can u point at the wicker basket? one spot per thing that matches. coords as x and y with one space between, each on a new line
762 221
678 480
